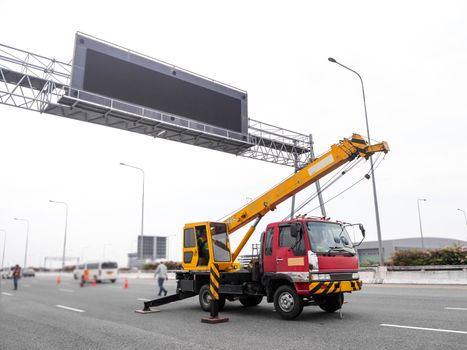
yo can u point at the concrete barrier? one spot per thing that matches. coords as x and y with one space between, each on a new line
452 274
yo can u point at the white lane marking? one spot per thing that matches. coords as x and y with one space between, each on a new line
456 308
69 308
143 299
9 294
66 290
423 328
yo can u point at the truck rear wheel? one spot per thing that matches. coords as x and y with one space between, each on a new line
287 302
251 300
331 303
205 299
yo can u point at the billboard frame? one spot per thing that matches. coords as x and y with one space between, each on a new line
210 88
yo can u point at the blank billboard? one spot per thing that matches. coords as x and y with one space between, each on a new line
111 71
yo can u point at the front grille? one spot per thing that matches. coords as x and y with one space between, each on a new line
341 276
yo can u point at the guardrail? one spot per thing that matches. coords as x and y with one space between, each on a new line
429 274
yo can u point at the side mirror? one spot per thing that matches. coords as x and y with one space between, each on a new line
362 230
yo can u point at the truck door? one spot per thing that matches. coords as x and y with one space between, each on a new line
289 259
269 253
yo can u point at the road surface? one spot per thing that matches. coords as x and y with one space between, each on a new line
44 315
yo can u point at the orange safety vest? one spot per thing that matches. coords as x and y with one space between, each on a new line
17 272
86 275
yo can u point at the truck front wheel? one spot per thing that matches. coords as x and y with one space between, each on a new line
332 302
205 299
287 302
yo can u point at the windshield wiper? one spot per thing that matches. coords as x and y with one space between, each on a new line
340 249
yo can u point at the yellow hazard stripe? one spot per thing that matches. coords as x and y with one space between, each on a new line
214 281
334 287
214 292
215 270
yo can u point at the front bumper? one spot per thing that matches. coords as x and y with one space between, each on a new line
329 287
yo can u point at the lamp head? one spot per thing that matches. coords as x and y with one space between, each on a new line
330 59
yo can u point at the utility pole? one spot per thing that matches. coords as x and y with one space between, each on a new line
66 224
142 209
375 197
420 220
27 240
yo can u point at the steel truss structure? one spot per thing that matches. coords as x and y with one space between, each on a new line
41 84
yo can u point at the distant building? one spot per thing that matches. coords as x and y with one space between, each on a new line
154 248
368 251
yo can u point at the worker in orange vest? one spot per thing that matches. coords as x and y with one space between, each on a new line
84 277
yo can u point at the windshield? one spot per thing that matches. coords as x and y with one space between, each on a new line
109 265
328 237
220 242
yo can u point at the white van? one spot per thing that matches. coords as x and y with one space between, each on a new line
7 272
98 270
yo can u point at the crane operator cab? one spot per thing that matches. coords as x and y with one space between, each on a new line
205 243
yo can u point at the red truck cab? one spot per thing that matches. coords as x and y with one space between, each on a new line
316 256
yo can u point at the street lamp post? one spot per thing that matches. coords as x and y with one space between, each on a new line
66 224
375 197
27 240
420 219
3 256
142 209
465 217
4 245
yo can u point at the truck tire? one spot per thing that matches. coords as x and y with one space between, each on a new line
205 299
252 300
331 303
287 302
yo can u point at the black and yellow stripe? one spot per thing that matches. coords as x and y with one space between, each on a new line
214 280
334 287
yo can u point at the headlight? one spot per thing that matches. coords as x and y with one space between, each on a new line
320 276
299 276
355 276
313 261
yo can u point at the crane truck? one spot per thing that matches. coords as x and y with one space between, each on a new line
302 261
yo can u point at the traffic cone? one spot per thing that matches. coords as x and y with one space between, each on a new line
125 284
94 282
59 280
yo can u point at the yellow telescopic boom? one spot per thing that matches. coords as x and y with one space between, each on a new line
341 153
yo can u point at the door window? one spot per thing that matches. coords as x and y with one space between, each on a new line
269 241
285 237
220 242
189 238
297 244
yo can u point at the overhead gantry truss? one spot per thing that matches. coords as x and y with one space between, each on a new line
41 84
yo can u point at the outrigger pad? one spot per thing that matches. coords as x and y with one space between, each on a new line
214 320
153 311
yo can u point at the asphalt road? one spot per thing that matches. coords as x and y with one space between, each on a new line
44 315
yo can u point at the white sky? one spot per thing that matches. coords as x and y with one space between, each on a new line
412 56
